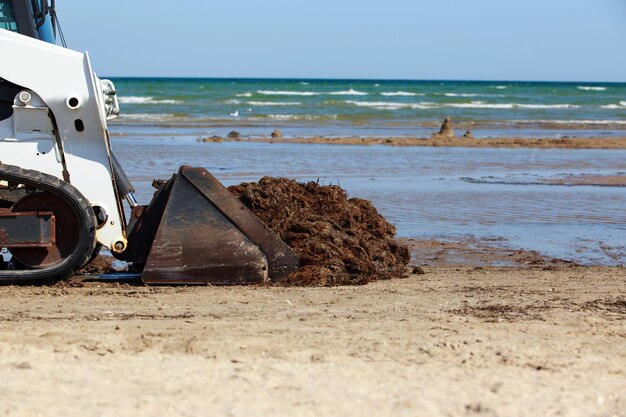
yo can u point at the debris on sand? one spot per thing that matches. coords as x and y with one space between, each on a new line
277 134
234 135
495 313
340 241
100 265
417 270
446 130
211 139
468 134
617 305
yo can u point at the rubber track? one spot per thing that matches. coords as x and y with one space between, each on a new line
87 241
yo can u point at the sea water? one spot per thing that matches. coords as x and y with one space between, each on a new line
427 192
370 108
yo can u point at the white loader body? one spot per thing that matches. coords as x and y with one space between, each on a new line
58 125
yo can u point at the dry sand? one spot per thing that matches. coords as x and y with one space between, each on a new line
512 142
455 341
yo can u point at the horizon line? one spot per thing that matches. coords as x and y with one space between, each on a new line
363 79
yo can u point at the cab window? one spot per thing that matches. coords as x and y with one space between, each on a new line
7 16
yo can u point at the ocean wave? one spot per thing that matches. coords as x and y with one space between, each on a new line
613 107
622 103
575 122
244 95
586 88
384 105
500 87
350 92
461 95
287 93
302 117
232 101
547 106
147 117
145 100
483 105
274 103
401 94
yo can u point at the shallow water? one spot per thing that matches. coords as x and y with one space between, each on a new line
428 192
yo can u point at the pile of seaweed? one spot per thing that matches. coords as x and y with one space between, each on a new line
340 241
101 264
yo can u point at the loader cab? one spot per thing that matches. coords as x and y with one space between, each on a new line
33 18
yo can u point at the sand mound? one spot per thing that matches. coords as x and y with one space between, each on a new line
340 241
446 130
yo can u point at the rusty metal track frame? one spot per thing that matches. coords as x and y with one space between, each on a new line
28 229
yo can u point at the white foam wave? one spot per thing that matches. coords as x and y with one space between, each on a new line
401 94
302 117
244 95
621 105
483 105
146 117
274 103
471 95
460 95
145 100
500 87
350 92
287 93
547 106
577 122
587 88
383 105
233 102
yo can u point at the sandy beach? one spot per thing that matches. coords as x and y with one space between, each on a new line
461 340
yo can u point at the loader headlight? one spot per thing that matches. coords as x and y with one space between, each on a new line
109 99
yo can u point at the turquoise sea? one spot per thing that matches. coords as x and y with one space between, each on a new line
372 107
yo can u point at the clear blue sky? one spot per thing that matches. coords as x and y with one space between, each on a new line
561 40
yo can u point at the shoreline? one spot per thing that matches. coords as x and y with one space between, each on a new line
437 253
458 142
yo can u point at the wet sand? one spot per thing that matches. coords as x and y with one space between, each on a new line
512 142
596 180
457 340
478 253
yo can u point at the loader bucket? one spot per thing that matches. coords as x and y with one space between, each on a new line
196 232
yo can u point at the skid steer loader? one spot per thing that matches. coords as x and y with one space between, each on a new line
63 192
